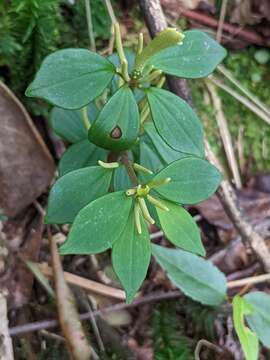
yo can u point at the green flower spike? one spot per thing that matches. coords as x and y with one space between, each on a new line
141 192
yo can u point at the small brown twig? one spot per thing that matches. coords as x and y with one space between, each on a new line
69 320
225 134
128 165
48 324
252 280
207 344
221 20
244 34
86 284
140 301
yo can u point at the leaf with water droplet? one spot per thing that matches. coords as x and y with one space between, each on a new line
71 78
197 57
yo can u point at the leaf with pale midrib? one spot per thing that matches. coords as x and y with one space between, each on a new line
196 277
71 78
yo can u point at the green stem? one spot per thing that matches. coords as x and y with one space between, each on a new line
90 25
85 118
120 52
140 44
110 11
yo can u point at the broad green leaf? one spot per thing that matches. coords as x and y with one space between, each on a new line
68 124
259 320
155 154
180 228
196 277
117 125
71 78
80 155
75 190
131 255
248 339
197 57
192 180
176 122
98 225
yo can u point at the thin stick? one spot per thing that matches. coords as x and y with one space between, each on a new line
248 281
94 325
86 284
225 134
90 25
250 95
48 324
209 345
241 99
76 341
204 19
221 20
152 297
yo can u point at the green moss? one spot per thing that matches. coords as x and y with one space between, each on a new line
256 135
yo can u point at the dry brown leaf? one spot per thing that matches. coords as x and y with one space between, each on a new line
26 166
23 238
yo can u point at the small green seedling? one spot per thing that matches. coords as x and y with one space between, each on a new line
115 108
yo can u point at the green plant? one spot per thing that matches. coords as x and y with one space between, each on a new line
169 339
135 121
29 31
254 309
